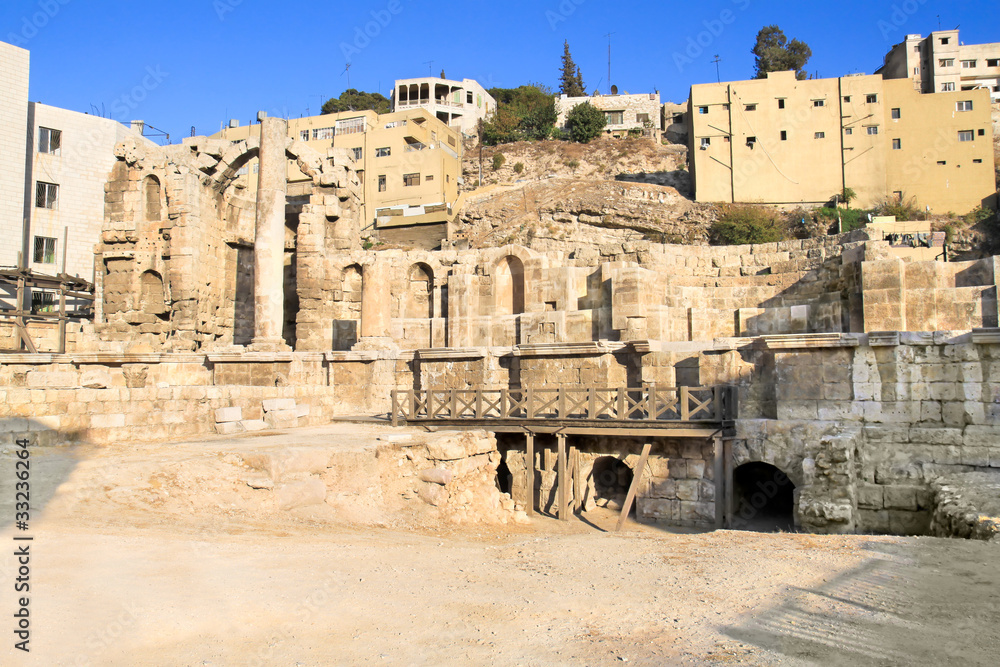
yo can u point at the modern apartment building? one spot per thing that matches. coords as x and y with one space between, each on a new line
455 103
14 65
408 161
783 141
53 167
622 113
940 63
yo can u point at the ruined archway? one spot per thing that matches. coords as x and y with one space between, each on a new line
419 303
151 197
612 478
509 286
152 299
763 498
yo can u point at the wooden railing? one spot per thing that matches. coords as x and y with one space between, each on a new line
652 403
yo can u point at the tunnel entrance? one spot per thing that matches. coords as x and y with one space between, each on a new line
763 498
612 479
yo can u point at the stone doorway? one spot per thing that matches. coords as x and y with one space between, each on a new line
612 478
763 498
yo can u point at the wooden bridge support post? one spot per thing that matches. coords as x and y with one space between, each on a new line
640 468
562 493
728 497
529 473
720 484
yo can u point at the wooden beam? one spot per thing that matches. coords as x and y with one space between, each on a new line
562 491
577 482
727 475
529 473
634 487
719 475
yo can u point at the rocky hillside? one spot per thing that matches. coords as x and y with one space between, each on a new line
557 195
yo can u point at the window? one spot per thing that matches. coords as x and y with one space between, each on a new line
614 117
725 107
45 250
304 135
872 129
947 87
993 62
49 140
847 99
916 48
705 143
468 97
895 114
351 126
977 161
784 135
411 179
981 132
357 154
916 71
381 183
642 118
751 107
46 195
898 194
395 123
942 162
946 62
945 40
819 135
966 135
383 152
703 110
871 99
428 178
848 130
963 105
781 103
968 64
322 133
43 302
897 144
819 103
751 141
725 140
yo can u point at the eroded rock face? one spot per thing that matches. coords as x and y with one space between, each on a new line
967 505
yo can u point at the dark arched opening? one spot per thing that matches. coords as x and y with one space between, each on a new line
764 498
612 478
505 480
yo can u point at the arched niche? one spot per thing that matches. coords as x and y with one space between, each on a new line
509 286
152 300
419 300
151 199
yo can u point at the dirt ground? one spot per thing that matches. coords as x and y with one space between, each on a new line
152 555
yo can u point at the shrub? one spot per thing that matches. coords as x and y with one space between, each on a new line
498 160
572 164
977 215
902 208
518 167
741 224
585 122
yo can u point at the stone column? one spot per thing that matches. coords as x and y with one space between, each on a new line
269 242
375 315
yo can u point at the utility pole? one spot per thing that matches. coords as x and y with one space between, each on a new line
718 77
609 60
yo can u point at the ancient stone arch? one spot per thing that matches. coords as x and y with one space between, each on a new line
508 286
419 299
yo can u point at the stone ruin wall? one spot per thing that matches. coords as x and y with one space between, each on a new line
863 421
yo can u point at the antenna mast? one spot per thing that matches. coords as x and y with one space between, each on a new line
718 77
609 60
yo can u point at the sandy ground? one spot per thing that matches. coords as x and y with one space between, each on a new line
194 574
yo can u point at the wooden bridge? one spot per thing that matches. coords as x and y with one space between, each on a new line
683 411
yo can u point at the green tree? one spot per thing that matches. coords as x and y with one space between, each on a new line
356 100
570 80
585 122
776 54
526 112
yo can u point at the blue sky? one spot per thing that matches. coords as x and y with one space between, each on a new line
199 62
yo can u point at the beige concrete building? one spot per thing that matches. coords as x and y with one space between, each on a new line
782 141
460 104
409 162
940 63
14 65
72 154
622 113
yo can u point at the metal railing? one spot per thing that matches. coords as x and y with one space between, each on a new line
651 404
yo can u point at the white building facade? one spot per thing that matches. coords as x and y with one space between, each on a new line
458 104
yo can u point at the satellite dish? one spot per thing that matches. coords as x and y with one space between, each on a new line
614 90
